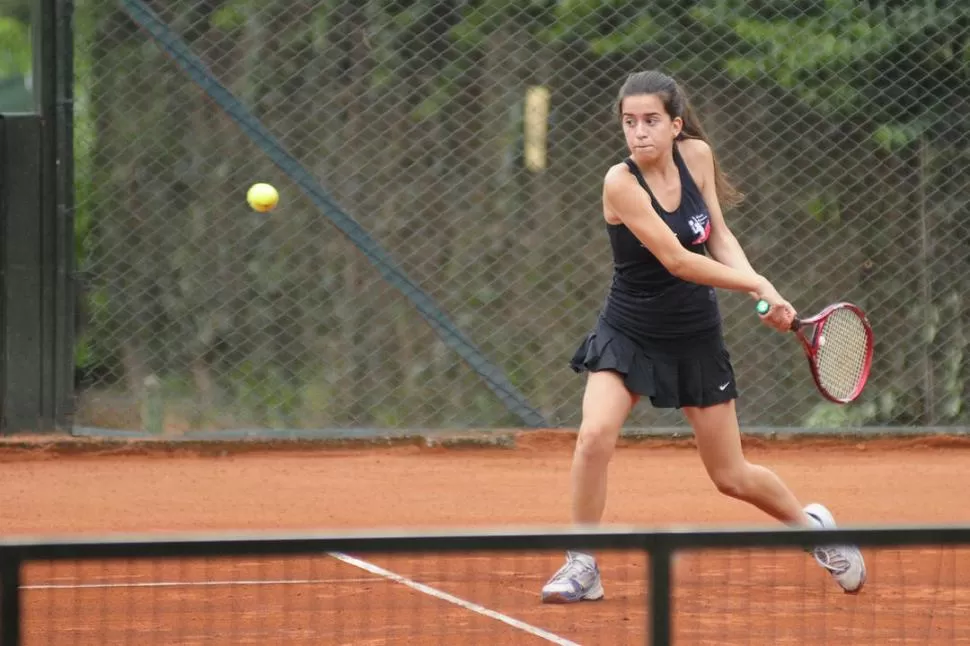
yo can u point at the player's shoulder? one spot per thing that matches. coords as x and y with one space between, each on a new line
699 158
696 150
618 177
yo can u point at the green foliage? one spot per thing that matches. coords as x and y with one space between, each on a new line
19 10
604 27
865 62
897 136
829 415
232 15
15 49
265 395
824 209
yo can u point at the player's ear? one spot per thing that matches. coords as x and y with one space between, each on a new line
678 126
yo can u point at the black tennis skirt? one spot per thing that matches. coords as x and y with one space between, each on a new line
695 371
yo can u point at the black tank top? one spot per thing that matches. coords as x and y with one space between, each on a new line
645 300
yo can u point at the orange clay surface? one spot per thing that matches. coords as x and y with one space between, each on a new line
914 596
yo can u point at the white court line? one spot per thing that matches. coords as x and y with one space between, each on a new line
444 596
191 584
364 565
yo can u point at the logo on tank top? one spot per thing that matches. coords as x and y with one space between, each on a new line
700 226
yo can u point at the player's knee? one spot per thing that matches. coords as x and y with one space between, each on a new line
596 441
731 482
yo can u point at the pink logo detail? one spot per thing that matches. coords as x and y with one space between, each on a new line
700 225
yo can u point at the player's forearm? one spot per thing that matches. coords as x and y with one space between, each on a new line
705 271
726 249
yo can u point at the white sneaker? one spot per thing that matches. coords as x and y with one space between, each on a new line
844 562
577 580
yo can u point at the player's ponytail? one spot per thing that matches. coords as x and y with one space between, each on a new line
677 105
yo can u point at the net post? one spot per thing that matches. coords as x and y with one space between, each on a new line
9 600
660 593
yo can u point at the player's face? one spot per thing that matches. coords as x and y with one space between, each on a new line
649 130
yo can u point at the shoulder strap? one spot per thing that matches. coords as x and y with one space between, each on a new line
686 179
632 165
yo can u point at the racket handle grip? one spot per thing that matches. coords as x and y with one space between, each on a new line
762 307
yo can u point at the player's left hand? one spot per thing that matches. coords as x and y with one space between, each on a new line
780 313
780 316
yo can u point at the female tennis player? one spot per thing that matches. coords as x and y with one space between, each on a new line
659 333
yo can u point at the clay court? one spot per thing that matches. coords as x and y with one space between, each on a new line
914 596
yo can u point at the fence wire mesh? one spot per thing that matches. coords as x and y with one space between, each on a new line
845 123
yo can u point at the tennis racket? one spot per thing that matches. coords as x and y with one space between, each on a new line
838 347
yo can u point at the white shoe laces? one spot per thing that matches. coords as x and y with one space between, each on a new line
572 569
833 559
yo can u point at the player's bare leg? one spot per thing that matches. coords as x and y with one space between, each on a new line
606 405
719 443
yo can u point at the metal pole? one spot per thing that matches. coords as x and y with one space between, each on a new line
53 32
929 320
9 601
661 595
64 280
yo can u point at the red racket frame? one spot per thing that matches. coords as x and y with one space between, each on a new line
810 345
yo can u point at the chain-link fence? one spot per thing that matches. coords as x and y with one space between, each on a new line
845 123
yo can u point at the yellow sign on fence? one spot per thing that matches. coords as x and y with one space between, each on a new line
536 127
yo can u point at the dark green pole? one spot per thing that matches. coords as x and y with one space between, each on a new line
10 609
55 102
37 218
65 300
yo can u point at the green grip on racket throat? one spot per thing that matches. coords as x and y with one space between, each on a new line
762 308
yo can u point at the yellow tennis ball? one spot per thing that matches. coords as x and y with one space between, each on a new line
262 197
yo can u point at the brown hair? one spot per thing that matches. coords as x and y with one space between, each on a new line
676 104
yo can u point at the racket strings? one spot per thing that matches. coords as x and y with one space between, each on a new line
841 356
